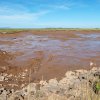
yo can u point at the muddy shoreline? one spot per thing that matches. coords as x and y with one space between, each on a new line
47 53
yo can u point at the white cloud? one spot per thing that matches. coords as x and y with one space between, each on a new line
71 4
24 16
8 9
19 15
24 20
63 7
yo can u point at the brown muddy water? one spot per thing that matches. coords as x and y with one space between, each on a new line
51 54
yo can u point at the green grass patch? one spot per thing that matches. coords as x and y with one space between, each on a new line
98 86
11 30
14 30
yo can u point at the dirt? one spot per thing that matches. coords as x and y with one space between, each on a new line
47 53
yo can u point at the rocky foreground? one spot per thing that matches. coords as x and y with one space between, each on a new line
76 85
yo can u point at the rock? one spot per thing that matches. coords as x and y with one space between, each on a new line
1 90
15 97
78 72
3 97
10 75
69 74
56 97
53 82
53 86
97 74
2 78
30 88
43 83
82 77
94 69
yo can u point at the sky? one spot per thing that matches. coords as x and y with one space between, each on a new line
49 13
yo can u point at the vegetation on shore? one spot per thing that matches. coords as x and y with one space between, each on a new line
13 30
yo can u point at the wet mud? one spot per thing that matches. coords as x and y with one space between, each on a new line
47 53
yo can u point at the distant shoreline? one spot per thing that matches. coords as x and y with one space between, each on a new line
49 28
17 30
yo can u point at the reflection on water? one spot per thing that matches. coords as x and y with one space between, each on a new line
89 35
75 49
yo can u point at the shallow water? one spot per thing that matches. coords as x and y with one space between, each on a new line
53 51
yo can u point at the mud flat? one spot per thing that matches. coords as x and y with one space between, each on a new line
46 54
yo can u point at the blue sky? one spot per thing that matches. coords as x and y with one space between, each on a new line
50 13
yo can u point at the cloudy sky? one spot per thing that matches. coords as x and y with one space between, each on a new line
50 13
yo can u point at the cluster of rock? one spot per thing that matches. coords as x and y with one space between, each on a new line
76 85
